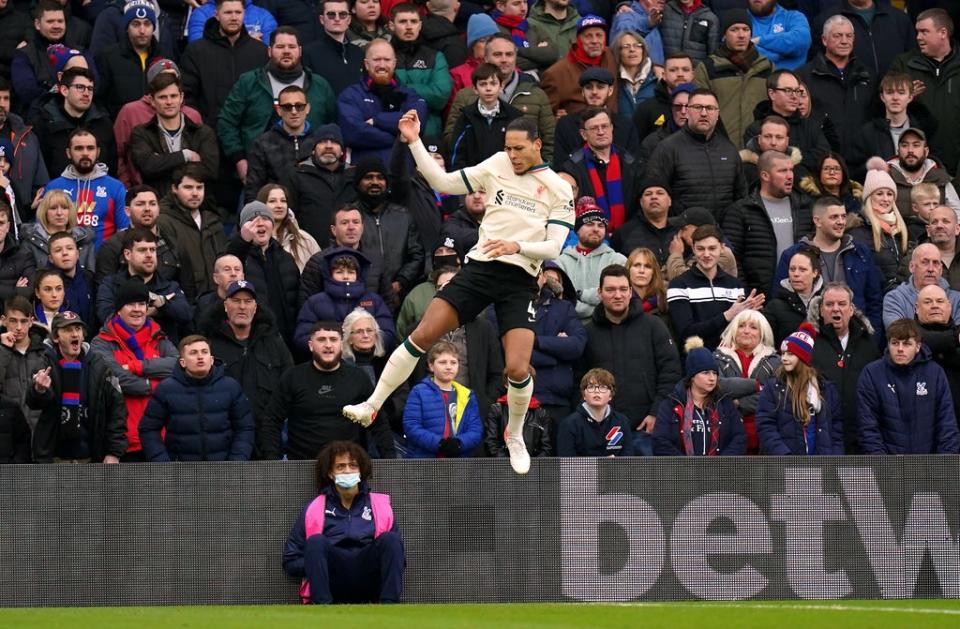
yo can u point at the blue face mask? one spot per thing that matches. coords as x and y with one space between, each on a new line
347 481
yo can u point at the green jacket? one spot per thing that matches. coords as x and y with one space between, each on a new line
527 97
562 34
425 71
248 110
413 307
738 92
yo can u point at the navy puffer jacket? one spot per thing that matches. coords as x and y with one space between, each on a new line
906 410
208 419
781 434
554 356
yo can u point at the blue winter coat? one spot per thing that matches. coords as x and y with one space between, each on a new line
209 419
338 299
357 104
784 37
861 274
554 356
424 418
667 440
906 410
253 17
781 434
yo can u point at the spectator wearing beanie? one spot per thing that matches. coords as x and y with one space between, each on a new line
584 261
123 66
139 112
138 353
737 73
699 418
675 120
561 81
883 230
799 411
479 29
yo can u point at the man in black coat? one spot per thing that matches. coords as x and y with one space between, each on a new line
170 139
284 145
761 226
840 85
211 65
635 347
654 112
243 335
14 22
321 184
463 226
649 227
31 174
440 33
941 335
332 56
267 265
123 73
877 41
835 318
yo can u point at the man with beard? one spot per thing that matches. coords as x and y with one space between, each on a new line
320 184
82 415
584 261
286 143
170 139
654 113
142 205
332 56
782 36
30 175
736 73
249 344
190 222
249 107
122 66
99 198
845 345
527 220
604 170
71 109
766 223
913 165
649 228
370 109
310 398
390 237
561 81
944 233
167 305
926 269
939 333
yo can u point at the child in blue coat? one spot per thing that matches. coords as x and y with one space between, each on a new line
442 418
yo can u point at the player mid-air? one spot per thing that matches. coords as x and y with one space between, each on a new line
529 213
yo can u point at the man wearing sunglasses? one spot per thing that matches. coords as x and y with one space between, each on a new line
332 56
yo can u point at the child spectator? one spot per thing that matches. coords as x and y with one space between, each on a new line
536 426
595 428
924 199
22 353
479 131
441 418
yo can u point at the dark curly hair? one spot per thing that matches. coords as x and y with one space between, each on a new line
330 453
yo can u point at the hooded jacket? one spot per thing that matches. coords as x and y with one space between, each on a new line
842 365
641 355
392 243
106 412
906 409
205 419
425 416
338 299
930 171
100 200
750 156
852 199
554 356
584 272
668 431
781 433
16 369
807 134
787 310
316 193
211 66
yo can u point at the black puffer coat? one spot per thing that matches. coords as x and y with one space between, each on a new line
16 261
275 275
123 78
315 193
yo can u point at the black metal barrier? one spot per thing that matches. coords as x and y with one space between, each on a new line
571 530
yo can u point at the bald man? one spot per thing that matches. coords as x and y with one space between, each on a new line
941 335
944 232
926 269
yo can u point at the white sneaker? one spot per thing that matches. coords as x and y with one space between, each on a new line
519 457
362 413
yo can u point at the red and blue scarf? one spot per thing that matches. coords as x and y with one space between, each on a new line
518 27
686 427
609 193
133 339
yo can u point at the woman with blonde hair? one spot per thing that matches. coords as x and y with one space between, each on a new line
294 240
883 230
647 280
746 350
799 412
58 213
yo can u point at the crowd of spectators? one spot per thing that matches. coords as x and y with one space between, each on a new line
211 237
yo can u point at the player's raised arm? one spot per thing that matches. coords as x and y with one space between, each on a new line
450 183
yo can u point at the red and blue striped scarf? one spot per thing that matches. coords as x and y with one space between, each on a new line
518 27
130 338
71 372
686 427
610 196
